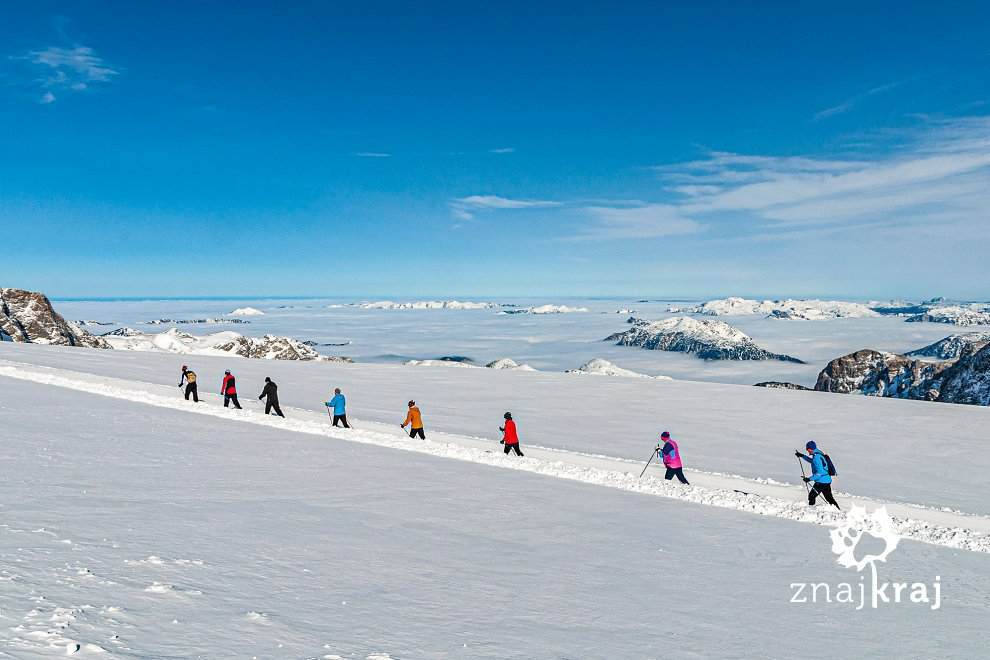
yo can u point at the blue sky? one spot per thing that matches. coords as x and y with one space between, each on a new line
493 149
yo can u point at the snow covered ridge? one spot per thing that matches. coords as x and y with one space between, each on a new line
600 367
246 311
951 347
709 340
875 373
219 321
510 364
28 316
269 347
623 475
807 310
428 304
953 314
555 309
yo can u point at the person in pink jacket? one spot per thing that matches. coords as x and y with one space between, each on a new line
671 454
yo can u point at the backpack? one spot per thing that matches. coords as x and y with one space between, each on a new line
830 466
190 377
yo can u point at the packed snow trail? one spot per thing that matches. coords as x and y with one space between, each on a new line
952 529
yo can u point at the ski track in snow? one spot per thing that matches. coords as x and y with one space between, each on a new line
941 527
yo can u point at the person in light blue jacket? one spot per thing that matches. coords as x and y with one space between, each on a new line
339 405
819 475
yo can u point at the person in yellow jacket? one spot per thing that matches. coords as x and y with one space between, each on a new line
414 419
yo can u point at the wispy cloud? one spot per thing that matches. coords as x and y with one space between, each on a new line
647 221
851 102
503 150
372 154
465 207
67 70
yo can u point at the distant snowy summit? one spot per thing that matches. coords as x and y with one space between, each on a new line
509 364
951 347
805 310
600 367
28 317
546 309
208 321
246 311
707 339
269 347
428 304
954 315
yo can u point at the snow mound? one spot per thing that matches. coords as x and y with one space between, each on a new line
428 304
246 311
508 363
269 347
707 339
807 310
438 363
600 367
555 309
954 315
951 347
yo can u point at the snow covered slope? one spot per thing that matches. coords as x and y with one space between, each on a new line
952 346
246 311
710 340
508 363
954 315
174 340
428 304
809 310
142 531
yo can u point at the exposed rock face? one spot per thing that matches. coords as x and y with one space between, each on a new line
968 380
951 347
778 385
875 373
27 316
954 315
195 321
269 347
709 340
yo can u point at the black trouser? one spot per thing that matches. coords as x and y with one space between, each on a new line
825 490
227 398
515 446
341 418
270 405
191 388
413 433
675 472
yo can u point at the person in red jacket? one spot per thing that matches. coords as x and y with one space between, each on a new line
509 437
229 390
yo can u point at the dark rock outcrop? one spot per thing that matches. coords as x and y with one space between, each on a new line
951 347
876 373
778 385
968 379
28 316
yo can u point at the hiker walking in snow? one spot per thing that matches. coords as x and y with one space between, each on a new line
339 405
188 378
821 475
671 455
415 421
229 390
509 436
270 395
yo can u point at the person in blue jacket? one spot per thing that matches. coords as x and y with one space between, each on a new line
820 477
338 403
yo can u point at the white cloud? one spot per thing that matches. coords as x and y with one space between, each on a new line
68 70
850 103
647 221
465 207
503 150
372 154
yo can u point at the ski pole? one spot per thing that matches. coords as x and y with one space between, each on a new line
801 465
648 463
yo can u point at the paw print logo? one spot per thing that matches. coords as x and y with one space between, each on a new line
846 537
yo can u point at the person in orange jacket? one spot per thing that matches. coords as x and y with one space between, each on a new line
229 390
414 419
509 436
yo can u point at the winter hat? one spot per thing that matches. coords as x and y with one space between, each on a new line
411 402
227 372
184 367
267 379
665 435
507 415
811 445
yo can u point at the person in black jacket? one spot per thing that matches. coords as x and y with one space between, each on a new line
188 378
271 402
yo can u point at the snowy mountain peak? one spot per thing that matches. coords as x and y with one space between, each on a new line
808 310
246 311
954 315
600 367
428 304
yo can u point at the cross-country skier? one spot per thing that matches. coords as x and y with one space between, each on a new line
339 405
270 395
821 479
415 421
188 378
509 436
229 390
671 455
